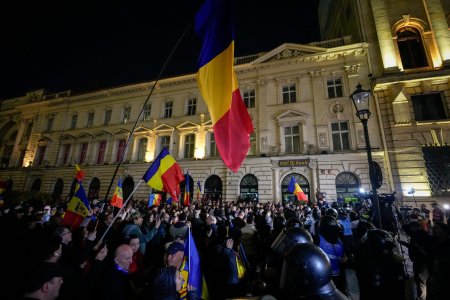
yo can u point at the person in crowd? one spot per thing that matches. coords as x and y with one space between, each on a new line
419 250
115 283
167 285
180 227
43 281
307 274
437 213
440 275
328 240
380 271
134 227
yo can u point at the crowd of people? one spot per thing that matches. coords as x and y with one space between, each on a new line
247 249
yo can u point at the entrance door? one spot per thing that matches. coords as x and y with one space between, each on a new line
213 188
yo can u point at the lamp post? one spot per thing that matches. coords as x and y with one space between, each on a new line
412 191
361 99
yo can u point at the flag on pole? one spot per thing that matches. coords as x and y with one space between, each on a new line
199 190
165 174
154 200
187 192
79 175
195 277
297 190
218 82
77 208
117 199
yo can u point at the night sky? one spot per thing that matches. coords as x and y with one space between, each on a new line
62 45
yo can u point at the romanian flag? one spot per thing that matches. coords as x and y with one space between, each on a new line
154 200
297 190
165 174
187 192
79 175
117 199
218 83
190 270
77 208
199 190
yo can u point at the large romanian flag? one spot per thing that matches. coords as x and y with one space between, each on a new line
165 174
218 83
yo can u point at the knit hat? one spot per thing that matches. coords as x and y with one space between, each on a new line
39 274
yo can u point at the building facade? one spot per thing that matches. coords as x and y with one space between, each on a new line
409 48
297 96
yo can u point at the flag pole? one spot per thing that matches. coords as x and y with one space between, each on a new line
163 68
118 213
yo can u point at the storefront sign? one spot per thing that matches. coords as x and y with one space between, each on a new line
294 163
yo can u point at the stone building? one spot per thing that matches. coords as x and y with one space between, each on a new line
297 96
409 48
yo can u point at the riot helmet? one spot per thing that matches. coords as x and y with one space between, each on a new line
379 242
294 222
331 212
289 237
307 273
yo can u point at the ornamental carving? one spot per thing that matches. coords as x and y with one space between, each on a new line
316 73
353 70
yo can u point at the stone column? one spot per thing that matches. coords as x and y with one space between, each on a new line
387 47
440 28
276 196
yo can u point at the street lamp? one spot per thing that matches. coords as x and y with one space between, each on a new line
412 191
361 99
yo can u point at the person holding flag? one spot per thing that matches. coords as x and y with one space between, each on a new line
78 207
297 190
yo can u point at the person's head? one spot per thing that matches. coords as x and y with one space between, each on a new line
175 254
211 220
133 242
434 204
43 281
167 283
307 273
288 238
423 205
64 233
109 218
123 256
136 218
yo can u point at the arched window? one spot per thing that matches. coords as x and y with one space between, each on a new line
36 186
213 187
286 196
58 189
347 185
411 48
94 189
249 187
127 187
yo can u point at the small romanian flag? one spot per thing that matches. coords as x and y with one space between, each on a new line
297 190
165 174
154 200
187 192
117 199
199 190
